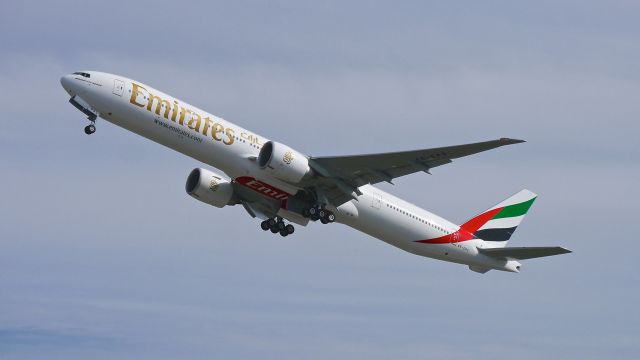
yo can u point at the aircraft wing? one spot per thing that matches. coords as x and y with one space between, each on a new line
342 175
523 253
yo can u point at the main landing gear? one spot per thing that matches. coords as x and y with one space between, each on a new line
320 213
277 225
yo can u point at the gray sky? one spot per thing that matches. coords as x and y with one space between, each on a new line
103 255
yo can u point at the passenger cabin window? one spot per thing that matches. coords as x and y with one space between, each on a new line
83 74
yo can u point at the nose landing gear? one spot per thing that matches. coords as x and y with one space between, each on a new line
90 129
92 115
277 225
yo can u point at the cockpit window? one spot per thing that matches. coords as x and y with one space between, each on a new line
84 74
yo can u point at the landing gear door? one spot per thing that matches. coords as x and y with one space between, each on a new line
376 201
118 87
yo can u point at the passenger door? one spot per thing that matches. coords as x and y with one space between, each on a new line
118 87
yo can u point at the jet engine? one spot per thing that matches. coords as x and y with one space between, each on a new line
282 162
209 187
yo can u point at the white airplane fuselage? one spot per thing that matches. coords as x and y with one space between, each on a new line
232 149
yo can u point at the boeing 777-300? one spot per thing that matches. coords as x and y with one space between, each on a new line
282 186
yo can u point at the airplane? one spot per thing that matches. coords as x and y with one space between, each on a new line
282 186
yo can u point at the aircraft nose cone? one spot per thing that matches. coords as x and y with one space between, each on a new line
66 82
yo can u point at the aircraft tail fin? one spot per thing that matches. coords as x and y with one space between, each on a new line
498 223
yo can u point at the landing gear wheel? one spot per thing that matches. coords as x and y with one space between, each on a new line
264 225
313 211
277 225
89 129
290 229
325 216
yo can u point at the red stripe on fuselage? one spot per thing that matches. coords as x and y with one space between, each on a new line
466 230
458 236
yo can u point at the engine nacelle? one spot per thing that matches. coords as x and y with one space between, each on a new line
282 162
209 187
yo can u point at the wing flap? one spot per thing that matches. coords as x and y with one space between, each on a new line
523 253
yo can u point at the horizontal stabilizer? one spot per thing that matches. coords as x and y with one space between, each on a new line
523 253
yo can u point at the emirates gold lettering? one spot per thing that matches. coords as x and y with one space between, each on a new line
135 91
183 112
230 137
159 103
207 125
143 98
194 122
217 128
174 111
